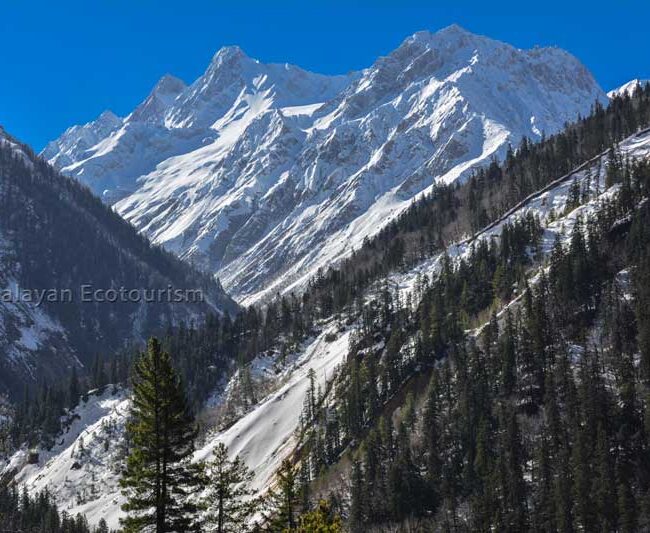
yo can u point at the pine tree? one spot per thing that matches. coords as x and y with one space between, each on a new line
229 499
284 501
511 457
431 434
508 356
582 477
311 395
562 494
626 506
544 510
603 491
158 476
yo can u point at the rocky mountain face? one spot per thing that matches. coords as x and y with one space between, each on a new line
262 174
75 279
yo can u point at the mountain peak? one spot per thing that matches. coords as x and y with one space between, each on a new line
451 31
447 41
168 84
449 34
166 90
628 88
454 29
223 160
108 116
229 53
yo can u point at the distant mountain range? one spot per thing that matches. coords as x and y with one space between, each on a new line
261 174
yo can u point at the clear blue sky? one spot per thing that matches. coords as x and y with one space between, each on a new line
63 62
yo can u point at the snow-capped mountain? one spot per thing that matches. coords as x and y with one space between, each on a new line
61 251
264 173
111 153
628 88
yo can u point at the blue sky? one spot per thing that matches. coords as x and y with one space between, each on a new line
64 62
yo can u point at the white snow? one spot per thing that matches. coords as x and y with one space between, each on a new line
308 109
290 171
24 326
265 436
82 470
550 200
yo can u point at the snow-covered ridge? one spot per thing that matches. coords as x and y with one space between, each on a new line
82 470
628 88
44 321
24 328
264 173
111 153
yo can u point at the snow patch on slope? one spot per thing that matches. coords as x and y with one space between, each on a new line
549 205
81 471
265 436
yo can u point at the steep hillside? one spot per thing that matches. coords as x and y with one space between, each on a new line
382 327
264 173
58 246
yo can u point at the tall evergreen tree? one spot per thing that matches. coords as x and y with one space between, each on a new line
73 389
158 476
356 517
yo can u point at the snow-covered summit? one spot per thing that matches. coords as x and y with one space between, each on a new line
628 88
159 100
232 76
262 173
111 153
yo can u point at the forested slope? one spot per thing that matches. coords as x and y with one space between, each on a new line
55 237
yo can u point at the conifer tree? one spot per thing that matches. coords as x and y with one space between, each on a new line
158 475
507 353
603 490
73 389
284 501
229 499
